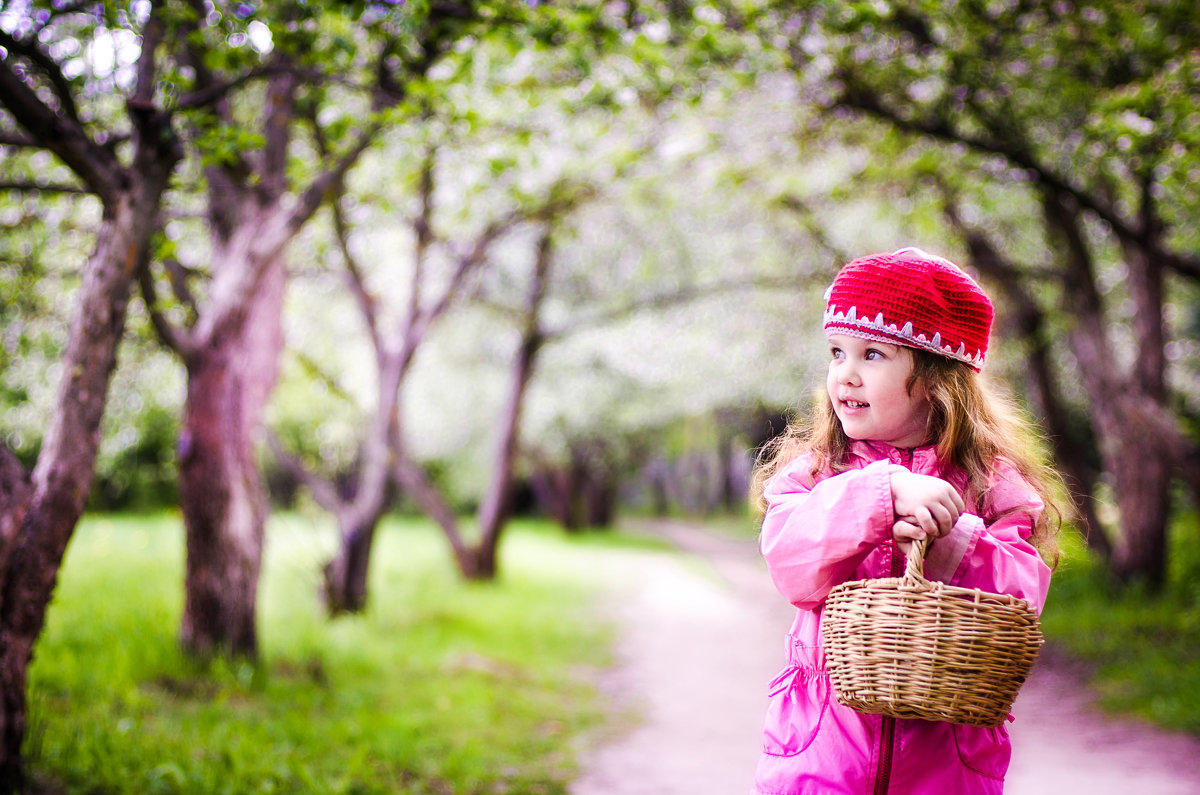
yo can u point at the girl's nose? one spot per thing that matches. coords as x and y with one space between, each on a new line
848 375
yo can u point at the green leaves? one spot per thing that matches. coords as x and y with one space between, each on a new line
224 144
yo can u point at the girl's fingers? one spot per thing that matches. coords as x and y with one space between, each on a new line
931 502
935 520
943 519
908 529
949 514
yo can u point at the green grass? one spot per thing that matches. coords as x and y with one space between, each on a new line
1142 647
440 687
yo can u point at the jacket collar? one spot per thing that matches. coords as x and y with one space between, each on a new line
918 459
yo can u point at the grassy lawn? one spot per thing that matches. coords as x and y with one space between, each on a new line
1142 647
440 687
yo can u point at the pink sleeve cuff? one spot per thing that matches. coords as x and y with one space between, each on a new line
946 554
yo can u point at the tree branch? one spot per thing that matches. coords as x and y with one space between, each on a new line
368 303
424 238
216 90
95 165
856 96
410 477
34 187
313 369
561 198
332 177
20 141
171 336
47 67
322 489
818 231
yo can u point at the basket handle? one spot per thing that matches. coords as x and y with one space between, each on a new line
914 571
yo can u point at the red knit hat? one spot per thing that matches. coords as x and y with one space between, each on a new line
914 299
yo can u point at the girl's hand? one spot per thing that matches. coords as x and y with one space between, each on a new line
924 505
905 532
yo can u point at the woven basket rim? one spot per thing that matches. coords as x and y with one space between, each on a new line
908 647
913 580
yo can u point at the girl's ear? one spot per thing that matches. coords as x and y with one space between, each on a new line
919 387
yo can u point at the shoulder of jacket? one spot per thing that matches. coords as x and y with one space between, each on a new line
1009 488
799 472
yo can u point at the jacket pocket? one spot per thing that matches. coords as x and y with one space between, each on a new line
986 751
799 701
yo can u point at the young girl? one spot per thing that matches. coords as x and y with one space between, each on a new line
908 443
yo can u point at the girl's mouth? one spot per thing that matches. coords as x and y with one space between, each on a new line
855 404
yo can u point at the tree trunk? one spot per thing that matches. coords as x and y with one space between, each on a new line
221 491
345 577
656 473
345 586
1142 470
599 499
38 516
1141 480
1073 448
479 562
552 491
66 463
493 511
15 494
1122 406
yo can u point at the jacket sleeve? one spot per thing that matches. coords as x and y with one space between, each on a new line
814 535
995 556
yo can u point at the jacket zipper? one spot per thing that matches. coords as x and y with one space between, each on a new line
887 739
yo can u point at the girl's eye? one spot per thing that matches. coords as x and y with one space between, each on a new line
874 354
836 353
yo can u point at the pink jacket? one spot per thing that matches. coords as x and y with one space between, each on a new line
818 534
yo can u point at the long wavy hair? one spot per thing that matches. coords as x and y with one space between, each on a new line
971 424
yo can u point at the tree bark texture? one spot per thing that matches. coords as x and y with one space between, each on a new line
1073 447
1122 406
579 494
346 575
553 490
494 509
1142 473
15 494
38 515
221 491
47 513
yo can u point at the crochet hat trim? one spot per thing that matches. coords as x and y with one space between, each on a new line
881 331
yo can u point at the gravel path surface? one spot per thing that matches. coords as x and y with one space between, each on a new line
702 635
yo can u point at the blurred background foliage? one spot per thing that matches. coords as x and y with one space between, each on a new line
738 153
631 211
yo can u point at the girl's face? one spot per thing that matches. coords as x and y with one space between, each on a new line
868 385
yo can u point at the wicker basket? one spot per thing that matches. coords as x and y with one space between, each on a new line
910 648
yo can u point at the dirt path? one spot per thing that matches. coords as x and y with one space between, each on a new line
702 635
